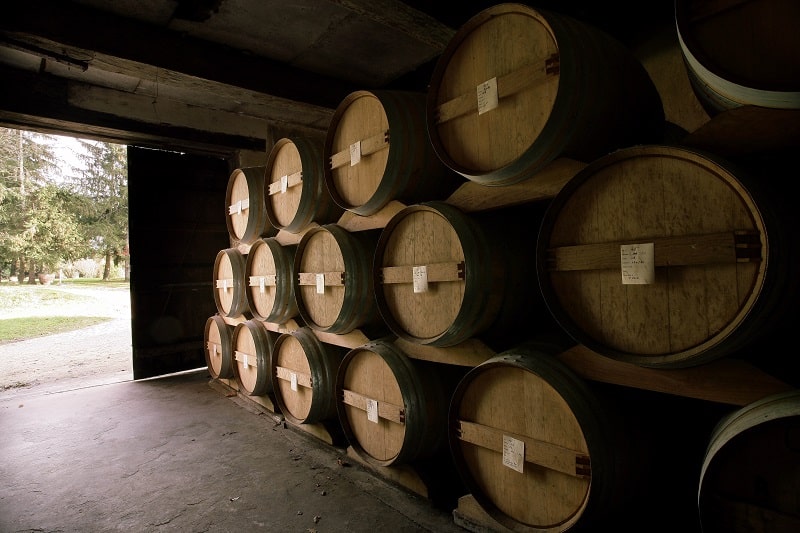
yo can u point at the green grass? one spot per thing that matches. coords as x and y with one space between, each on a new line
17 297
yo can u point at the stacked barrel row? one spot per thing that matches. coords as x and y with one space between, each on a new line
657 255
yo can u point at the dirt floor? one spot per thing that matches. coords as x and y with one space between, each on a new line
85 357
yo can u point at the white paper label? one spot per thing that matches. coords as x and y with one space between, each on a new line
355 153
487 96
638 264
244 360
293 380
224 284
320 283
284 183
420 275
513 453
214 350
372 410
261 282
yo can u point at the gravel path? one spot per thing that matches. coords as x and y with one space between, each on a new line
85 357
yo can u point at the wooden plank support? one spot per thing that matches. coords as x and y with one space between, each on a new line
545 454
717 381
386 410
727 247
537 72
287 327
303 379
471 352
292 180
352 339
370 145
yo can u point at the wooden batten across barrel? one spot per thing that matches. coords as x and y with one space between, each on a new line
750 477
540 449
304 377
393 409
443 276
229 283
252 353
741 53
333 282
244 204
666 257
270 288
295 193
377 150
219 347
518 87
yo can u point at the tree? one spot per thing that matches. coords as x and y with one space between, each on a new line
26 162
103 184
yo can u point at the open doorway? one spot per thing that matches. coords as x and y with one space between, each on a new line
64 263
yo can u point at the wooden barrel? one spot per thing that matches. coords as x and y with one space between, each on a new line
295 193
517 87
741 53
270 287
377 150
666 257
252 353
244 203
541 450
230 293
393 409
304 376
750 478
333 284
443 276
218 336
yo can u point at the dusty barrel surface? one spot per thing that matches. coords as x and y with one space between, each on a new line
304 376
219 347
295 193
518 87
252 346
244 203
377 150
269 271
750 477
393 409
230 295
443 276
665 257
333 281
540 449
741 53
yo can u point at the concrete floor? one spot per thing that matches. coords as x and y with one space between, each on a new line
176 454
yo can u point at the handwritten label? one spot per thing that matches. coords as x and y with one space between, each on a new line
244 360
284 183
638 264
420 275
487 96
320 283
513 453
355 153
293 381
372 410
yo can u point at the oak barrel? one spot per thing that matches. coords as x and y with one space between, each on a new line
741 53
392 408
377 150
252 346
230 295
244 203
750 477
269 273
218 336
295 193
663 256
333 281
518 87
443 276
304 376
541 449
